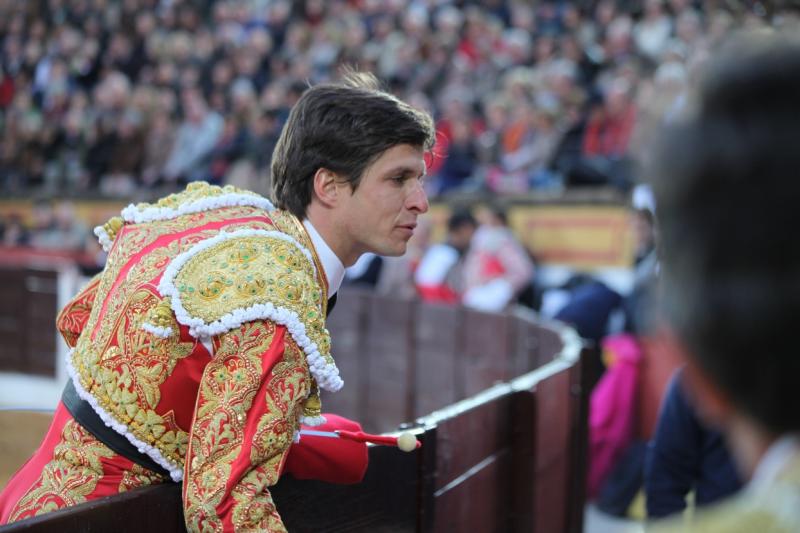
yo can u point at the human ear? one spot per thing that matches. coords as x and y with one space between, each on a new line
325 188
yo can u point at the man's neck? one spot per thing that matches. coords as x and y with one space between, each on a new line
327 228
332 265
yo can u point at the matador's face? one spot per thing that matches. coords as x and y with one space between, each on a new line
380 216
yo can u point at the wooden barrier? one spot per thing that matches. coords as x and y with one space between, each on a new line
27 318
500 453
404 359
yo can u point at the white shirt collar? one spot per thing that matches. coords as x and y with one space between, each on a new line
331 264
777 458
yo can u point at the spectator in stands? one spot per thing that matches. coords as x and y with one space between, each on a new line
542 148
126 156
56 227
608 134
653 31
228 149
510 175
460 161
158 145
440 275
566 155
13 231
497 267
489 143
195 139
726 208
68 149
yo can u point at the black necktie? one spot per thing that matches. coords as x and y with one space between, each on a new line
331 304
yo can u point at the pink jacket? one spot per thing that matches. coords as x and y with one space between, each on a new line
612 412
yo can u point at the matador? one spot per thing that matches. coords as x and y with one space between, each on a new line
201 348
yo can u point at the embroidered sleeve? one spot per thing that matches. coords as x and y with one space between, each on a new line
73 318
250 398
246 275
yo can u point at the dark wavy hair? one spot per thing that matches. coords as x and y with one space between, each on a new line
343 127
727 196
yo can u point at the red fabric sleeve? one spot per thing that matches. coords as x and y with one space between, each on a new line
328 458
250 398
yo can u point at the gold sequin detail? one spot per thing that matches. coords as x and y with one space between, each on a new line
161 315
227 389
69 477
124 366
127 380
113 226
139 476
253 508
240 272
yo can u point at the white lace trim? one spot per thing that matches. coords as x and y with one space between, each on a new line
158 331
134 214
313 420
176 473
103 238
326 374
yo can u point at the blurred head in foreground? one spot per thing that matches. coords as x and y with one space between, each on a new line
727 190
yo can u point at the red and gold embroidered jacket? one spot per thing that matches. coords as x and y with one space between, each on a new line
201 341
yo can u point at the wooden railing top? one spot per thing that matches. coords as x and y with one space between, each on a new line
569 355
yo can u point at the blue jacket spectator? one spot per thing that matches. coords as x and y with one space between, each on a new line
685 455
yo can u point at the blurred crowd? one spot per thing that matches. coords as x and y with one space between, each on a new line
119 97
53 227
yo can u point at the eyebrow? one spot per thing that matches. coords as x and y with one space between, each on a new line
404 170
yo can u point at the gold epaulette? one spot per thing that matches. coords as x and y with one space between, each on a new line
246 275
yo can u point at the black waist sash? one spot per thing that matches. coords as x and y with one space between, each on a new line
83 413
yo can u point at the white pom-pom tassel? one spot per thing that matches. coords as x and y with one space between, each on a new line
313 420
407 442
103 238
158 331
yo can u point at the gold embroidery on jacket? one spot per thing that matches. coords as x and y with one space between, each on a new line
73 318
283 221
125 366
287 389
240 272
139 476
138 237
254 509
229 383
126 381
69 477
285 392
